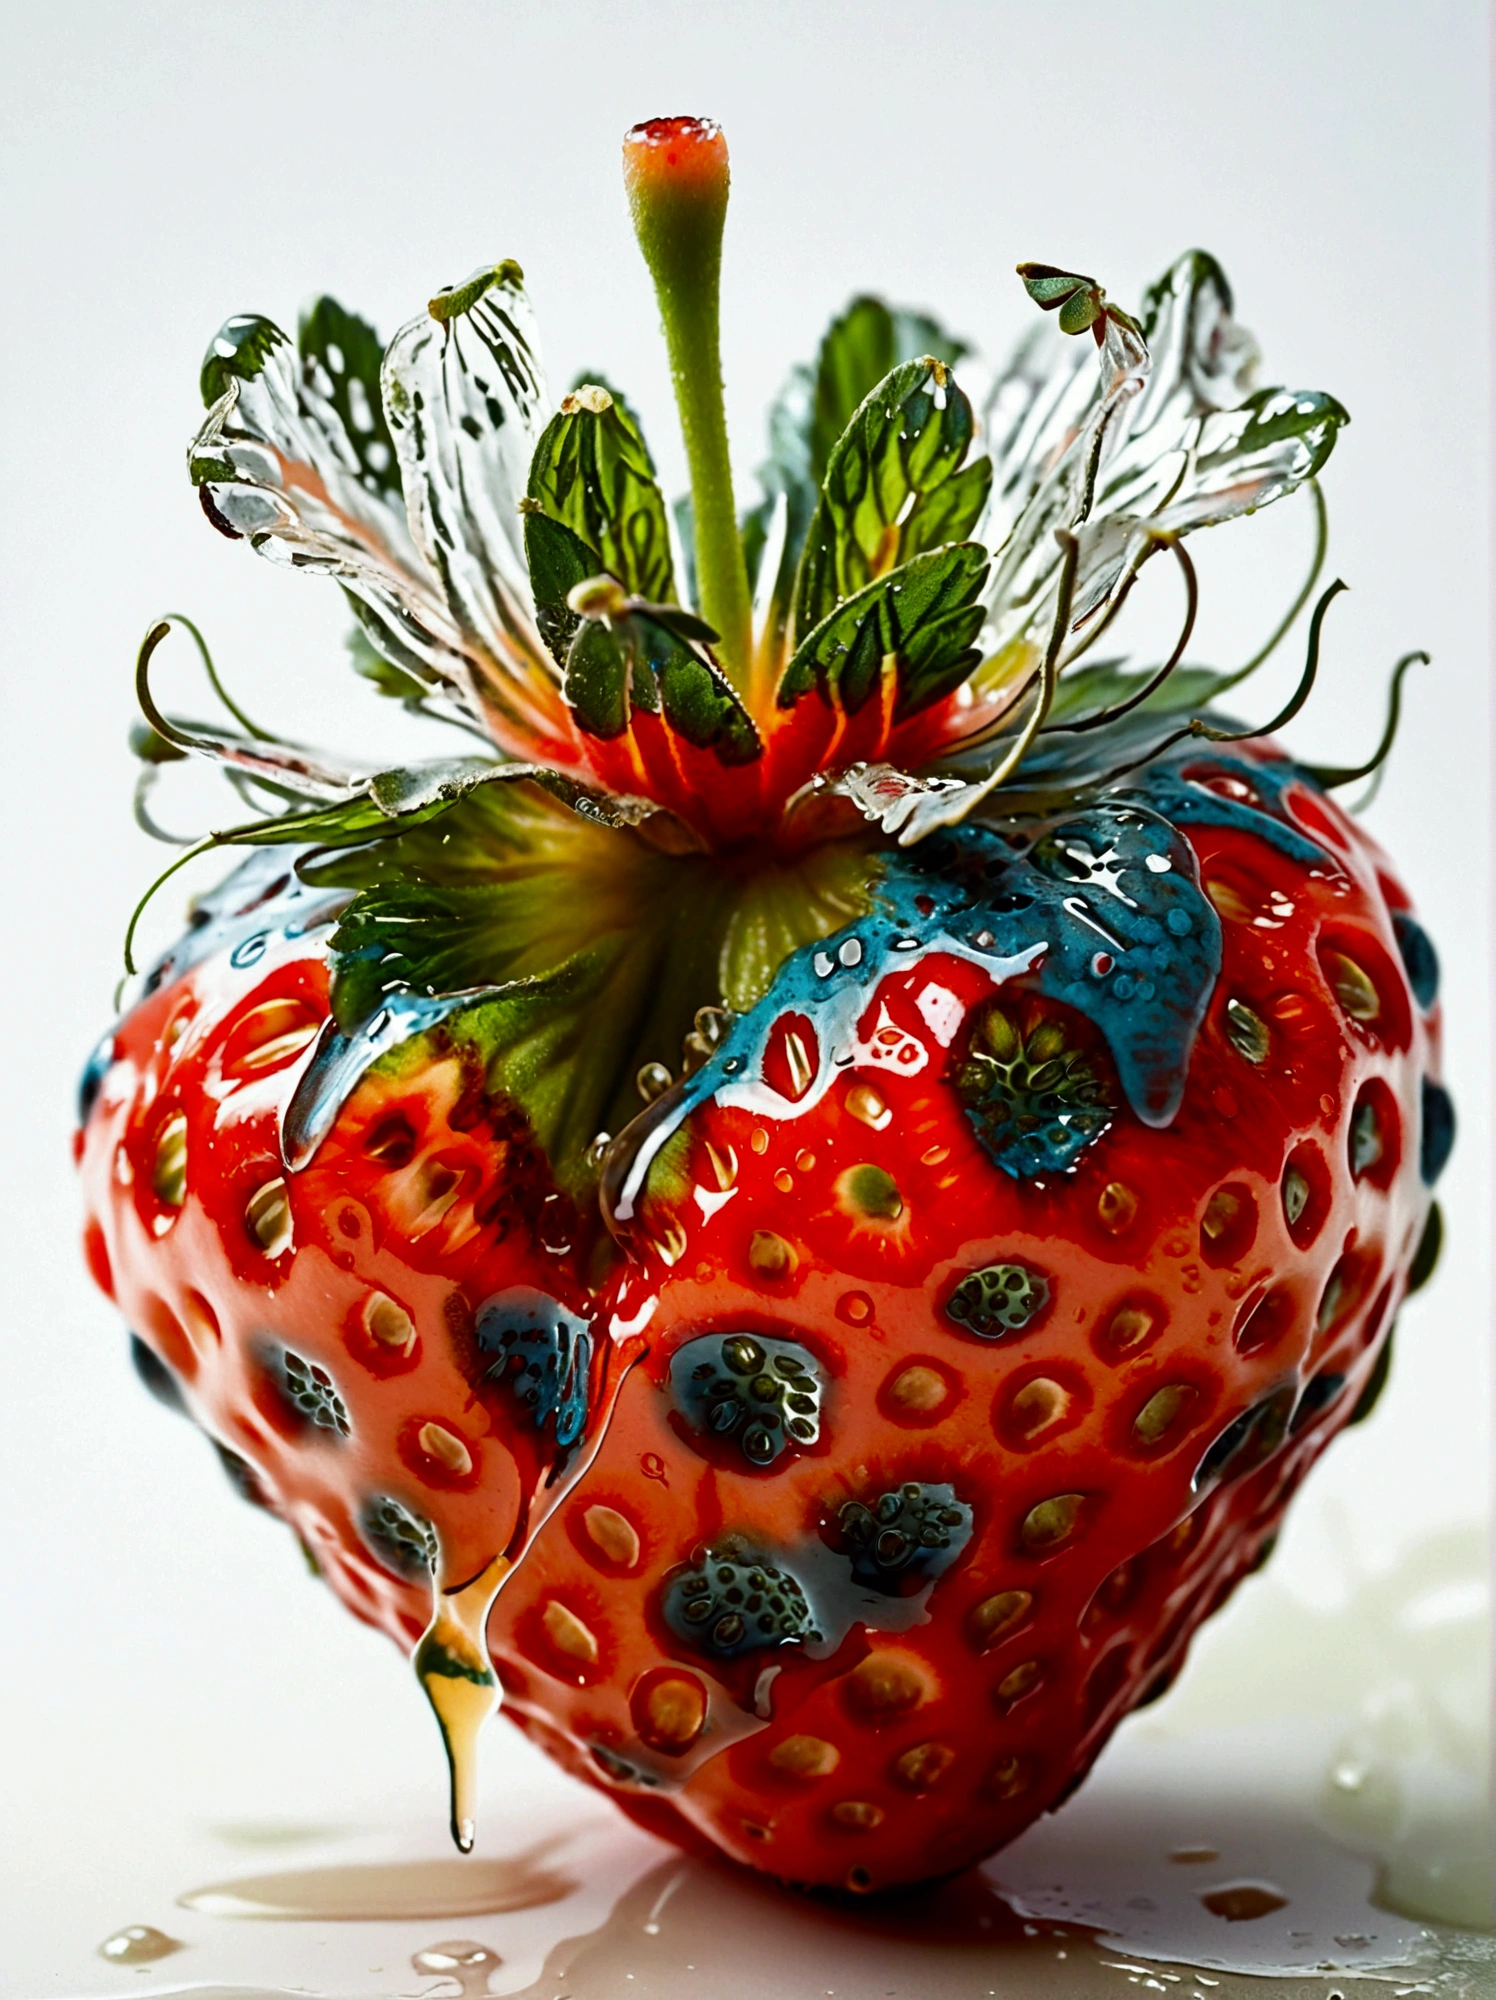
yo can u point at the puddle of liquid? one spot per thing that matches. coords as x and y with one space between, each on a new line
451 1662
462 1960
138 1944
391 1891
1244 1902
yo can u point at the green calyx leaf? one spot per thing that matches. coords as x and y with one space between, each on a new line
627 653
341 354
895 486
859 350
1080 302
919 620
592 472
586 951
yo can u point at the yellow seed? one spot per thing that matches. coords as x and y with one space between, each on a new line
1130 1327
674 1710
724 1165
446 1448
1220 1212
1045 1043
1229 902
922 1768
1000 1035
805 1161
1352 986
268 1215
864 1103
1010 1778
1023 1679
784 1180
169 1175
1037 1405
798 1058
1052 1521
770 1255
805 1757
995 1617
759 1140
918 1390
388 1323
1159 1412
568 1634
935 1156
1116 1207
885 1684
271 1035
858 1815
613 1535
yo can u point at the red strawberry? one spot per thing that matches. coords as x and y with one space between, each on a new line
865 1428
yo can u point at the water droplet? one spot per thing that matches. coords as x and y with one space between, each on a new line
784 1180
856 1308
652 1081
759 1140
461 1959
849 951
138 1944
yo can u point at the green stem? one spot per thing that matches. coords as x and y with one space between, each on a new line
676 174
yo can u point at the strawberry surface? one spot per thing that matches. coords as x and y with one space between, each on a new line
804 1214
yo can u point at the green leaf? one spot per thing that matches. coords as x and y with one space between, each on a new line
586 951
923 616
592 471
647 654
895 486
341 356
812 412
559 560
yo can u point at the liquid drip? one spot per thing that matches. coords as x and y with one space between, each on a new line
457 1676
139 1944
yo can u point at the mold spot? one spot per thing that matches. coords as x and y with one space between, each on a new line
1436 1133
730 1604
867 1191
157 1377
1228 1228
1247 1033
403 1541
764 1394
906 1538
1000 1299
1420 960
805 1757
1051 1523
1037 1087
669 1710
921 1769
612 1536
311 1393
544 1358
996 1617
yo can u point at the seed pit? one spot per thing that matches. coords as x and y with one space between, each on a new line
1264 1321
1305 1192
1011 1778
1017 1682
169 1171
449 1451
612 1536
268 1037
1369 988
1051 1523
1036 1409
1247 1033
886 1685
921 1769
918 1394
1133 1324
1374 1136
566 1632
858 1815
388 1323
669 1709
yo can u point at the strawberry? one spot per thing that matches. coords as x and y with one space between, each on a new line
1039 1072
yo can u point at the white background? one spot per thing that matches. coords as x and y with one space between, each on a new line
166 165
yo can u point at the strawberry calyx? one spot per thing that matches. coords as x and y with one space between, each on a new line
669 799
